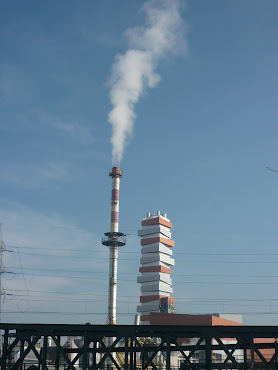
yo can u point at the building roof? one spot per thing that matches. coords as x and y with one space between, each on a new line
157 318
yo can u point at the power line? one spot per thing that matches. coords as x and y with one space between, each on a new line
192 303
93 251
134 273
177 261
192 299
133 280
64 313
260 313
50 299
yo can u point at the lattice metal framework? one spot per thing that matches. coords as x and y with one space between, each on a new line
141 347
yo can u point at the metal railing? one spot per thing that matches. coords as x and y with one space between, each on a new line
139 347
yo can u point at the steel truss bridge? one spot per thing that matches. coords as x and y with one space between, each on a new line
125 347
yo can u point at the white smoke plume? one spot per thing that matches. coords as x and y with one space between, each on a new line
134 71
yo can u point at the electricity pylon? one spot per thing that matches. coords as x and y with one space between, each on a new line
2 270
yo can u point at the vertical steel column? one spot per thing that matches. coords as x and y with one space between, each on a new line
208 354
143 360
95 355
126 353
252 354
135 360
44 353
21 350
245 356
85 351
57 361
168 354
132 342
4 352
276 354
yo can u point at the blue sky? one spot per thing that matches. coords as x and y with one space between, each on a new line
201 142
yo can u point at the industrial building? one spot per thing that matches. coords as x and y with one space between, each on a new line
156 262
156 303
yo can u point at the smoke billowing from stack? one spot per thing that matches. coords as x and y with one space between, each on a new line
134 71
114 239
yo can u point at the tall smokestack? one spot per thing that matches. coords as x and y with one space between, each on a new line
114 239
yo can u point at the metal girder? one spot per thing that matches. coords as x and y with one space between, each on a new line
193 350
23 354
230 357
145 347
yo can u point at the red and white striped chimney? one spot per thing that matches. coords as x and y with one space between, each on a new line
116 174
114 239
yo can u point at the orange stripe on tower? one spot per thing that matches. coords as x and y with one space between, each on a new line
155 269
149 298
157 221
168 242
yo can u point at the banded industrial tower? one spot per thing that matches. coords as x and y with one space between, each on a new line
114 239
156 262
